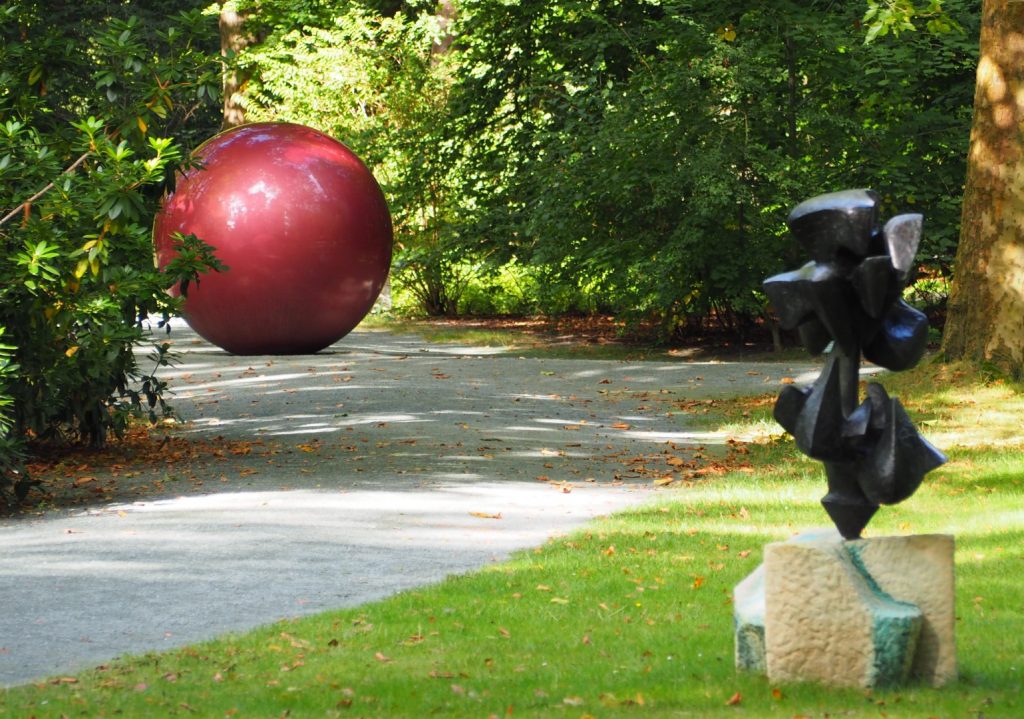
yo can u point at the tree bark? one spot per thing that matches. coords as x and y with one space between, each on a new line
233 39
985 321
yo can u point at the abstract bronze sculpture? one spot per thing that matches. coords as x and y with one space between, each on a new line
845 301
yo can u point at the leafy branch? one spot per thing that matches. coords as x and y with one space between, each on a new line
27 204
884 17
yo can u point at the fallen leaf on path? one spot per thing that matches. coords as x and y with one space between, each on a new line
485 515
621 425
82 481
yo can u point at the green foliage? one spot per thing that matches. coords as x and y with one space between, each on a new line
192 257
12 475
380 83
897 16
639 157
653 149
94 106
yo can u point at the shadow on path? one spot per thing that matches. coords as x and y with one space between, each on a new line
380 464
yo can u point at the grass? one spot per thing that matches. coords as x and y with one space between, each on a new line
630 617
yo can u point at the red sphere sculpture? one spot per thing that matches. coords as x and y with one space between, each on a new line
303 228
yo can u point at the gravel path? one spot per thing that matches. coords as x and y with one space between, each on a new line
380 464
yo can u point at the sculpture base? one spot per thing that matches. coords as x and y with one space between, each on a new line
868 612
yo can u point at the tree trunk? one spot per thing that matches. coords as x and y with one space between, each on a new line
446 12
985 321
233 39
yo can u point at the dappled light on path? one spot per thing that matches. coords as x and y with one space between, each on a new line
295 484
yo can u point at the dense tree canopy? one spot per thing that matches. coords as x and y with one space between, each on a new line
629 157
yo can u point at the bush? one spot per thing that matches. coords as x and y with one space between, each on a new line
85 94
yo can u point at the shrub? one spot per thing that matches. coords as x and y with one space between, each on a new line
86 94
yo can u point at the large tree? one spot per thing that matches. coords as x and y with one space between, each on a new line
986 305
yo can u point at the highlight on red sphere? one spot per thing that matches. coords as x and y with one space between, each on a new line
302 226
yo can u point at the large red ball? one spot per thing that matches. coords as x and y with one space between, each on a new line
303 228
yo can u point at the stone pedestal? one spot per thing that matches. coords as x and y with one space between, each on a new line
869 612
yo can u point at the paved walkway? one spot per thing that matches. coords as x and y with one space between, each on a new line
380 464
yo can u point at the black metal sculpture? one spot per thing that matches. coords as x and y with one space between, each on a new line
847 300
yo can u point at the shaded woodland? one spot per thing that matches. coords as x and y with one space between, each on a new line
634 159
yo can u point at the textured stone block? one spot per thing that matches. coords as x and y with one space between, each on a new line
864 612
919 569
826 621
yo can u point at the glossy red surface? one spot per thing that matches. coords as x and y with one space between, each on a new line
303 227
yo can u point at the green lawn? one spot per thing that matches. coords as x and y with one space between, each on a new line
630 617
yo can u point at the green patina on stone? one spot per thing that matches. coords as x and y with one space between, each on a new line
748 623
896 627
750 652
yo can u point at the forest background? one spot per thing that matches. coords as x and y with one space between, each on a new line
631 158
